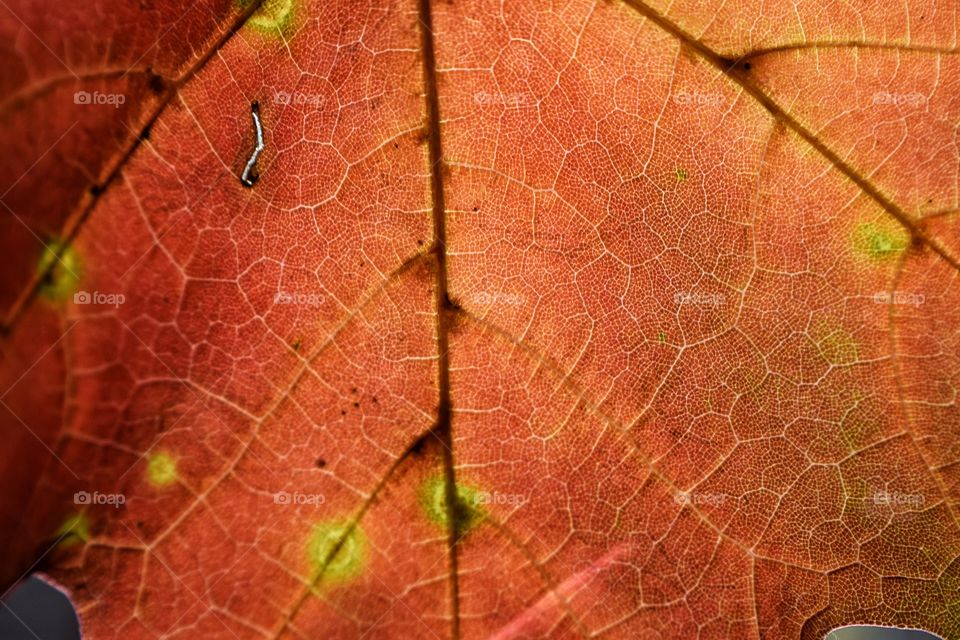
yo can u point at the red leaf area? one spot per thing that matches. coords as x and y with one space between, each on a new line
543 319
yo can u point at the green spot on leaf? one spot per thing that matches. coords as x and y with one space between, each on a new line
59 268
880 242
662 337
161 469
681 174
333 563
837 346
467 510
272 17
74 530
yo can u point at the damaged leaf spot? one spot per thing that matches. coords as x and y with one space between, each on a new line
467 512
837 346
59 267
74 530
273 15
162 469
879 242
250 174
337 551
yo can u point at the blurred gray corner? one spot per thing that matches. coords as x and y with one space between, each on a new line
36 610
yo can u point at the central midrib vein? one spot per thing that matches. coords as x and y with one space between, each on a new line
443 307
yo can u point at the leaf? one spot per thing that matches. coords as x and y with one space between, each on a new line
540 320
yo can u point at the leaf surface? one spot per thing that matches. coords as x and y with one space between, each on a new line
541 320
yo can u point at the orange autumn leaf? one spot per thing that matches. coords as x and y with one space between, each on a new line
482 318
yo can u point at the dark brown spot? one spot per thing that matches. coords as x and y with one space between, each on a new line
155 82
417 448
321 463
451 304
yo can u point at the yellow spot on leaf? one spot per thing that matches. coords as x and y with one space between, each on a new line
59 268
880 241
74 530
467 509
336 551
161 469
836 345
272 17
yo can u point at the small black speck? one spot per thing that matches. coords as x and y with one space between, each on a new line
374 399
451 304
321 463
417 448
155 82
356 405
343 412
746 66
95 190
